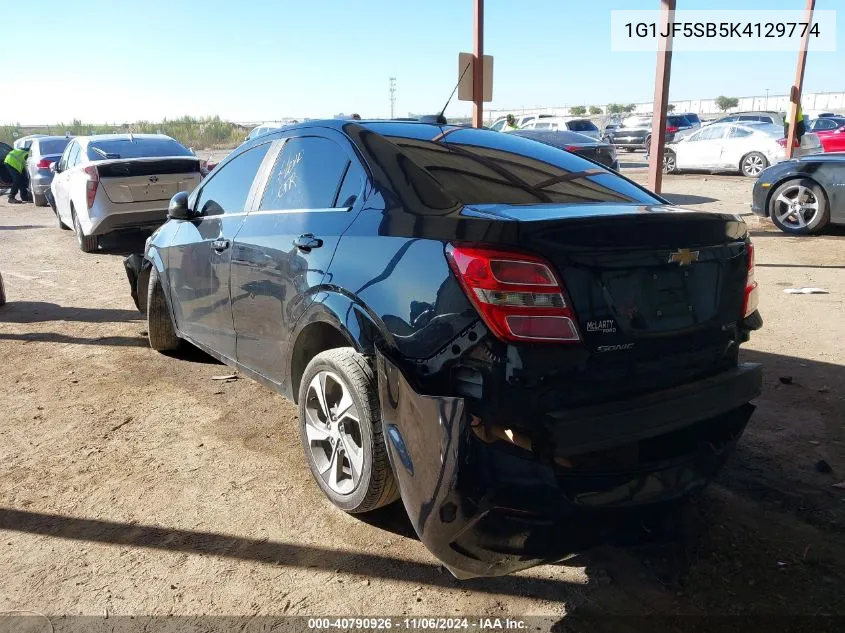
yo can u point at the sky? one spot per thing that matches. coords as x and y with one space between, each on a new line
113 61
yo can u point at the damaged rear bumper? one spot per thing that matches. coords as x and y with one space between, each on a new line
488 507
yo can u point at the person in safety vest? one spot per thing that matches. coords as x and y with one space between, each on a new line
15 163
800 126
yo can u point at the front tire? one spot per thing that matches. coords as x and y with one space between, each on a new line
670 162
799 206
752 164
87 243
160 331
340 430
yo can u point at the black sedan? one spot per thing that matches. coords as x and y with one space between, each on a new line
517 342
802 195
596 151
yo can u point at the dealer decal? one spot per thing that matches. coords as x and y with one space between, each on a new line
605 326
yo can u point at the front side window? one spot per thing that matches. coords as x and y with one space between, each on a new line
227 190
306 175
709 134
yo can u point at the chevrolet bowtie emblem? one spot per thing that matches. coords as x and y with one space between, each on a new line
683 257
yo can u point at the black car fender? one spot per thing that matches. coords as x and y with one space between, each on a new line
349 317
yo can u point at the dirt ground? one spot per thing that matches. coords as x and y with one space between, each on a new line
133 483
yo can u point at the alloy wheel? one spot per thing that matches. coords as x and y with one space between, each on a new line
669 162
796 206
332 427
753 165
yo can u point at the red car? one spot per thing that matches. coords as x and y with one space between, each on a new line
831 132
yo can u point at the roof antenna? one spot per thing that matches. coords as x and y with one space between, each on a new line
449 100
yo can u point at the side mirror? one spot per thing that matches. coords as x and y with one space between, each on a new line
178 208
54 167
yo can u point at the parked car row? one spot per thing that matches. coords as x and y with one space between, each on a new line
571 351
635 131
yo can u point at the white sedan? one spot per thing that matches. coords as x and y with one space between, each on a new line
119 182
745 147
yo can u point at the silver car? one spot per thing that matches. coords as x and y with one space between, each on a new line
43 151
119 182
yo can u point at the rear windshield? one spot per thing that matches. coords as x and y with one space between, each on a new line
136 148
582 126
53 146
678 121
491 168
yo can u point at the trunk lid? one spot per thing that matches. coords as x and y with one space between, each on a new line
147 179
657 290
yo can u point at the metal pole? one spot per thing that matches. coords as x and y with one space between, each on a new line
478 67
661 98
795 92
767 99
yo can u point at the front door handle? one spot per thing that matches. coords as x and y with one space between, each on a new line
307 242
220 245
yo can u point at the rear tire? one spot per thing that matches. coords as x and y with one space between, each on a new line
336 442
39 200
752 164
160 331
87 243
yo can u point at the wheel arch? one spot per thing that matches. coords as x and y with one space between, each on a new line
333 320
786 178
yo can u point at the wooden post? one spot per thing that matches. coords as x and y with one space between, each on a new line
797 87
478 67
661 99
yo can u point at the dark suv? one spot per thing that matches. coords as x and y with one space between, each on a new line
514 340
635 131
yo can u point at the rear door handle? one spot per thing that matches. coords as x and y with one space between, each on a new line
220 245
307 242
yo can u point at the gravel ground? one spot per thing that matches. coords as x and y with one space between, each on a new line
132 483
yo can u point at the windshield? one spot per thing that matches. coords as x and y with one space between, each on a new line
135 148
490 168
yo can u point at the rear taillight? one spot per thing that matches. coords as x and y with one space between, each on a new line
517 295
93 183
571 148
671 129
782 143
750 301
44 163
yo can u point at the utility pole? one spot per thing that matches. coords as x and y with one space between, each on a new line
478 67
661 98
767 99
795 92
392 97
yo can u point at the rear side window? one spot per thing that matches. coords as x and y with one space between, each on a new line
739 132
226 191
509 169
678 121
52 146
306 175
582 126
350 188
136 148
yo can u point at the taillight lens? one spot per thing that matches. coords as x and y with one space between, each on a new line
571 148
517 295
44 163
782 143
93 183
750 302
671 129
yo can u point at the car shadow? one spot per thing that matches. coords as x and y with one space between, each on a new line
22 227
55 337
41 311
192 354
683 199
